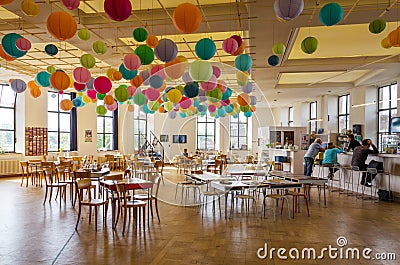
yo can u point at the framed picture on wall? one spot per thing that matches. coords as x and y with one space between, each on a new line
164 138
88 136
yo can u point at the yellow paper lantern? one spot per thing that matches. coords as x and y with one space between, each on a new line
30 8
174 95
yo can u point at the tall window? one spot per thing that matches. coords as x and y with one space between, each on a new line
343 113
238 130
387 108
205 132
290 118
7 120
60 123
313 117
107 130
140 128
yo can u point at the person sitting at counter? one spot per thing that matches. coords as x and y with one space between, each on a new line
330 158
310 155
353 143
360 155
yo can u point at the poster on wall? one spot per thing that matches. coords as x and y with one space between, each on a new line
88 136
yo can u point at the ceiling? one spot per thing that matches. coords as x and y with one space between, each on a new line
348 55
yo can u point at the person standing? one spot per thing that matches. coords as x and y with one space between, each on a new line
310 155
330 158
353 143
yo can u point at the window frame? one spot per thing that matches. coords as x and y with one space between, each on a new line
290 116
13 108
346 114
390 109
136 122
233 120
313 119
209 120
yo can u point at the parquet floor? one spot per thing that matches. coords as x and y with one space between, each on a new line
31 233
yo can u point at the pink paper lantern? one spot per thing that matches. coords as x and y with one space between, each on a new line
71 4
118 10
81 75
79 87
131 90
158 70
212 108
132 61
185 103
210 84
91 94
102 84
222 85
23 44
112 107
216 71
230 45
151 94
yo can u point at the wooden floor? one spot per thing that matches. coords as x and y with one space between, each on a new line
31 233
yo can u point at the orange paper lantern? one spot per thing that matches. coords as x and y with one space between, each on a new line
5 56
66 104
59 80
161 109
32 85
187 17
35 92
108 100
117 76
394 38
240 50
61 25
131 108
137 81
243 99
5 2
152 41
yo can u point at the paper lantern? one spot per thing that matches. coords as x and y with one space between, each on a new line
9 45
89 85
186 78
32 85
187 17
127 74
242 77
71 4
121 94
227 94
51 49
212 108
248 88
153 106
66 104
51 69
200 70
393 38
131 90
43 79
101 110
191 90
222 85
152 41
243 99
377 26
84 34
18 85
151 94
166 50
23 44
145 54
331 14
174 95
117 76
185 103
140 34
139 99
288 9
112 107
385 44
30 8
155 81
240 50
118 10
132 61
278 48
61 25
102 84
79 87
210 84
81 75
230 45
99 47
158 70
214 95
243 62
5 2
248 114
175 68
273 60
253 100
87 61
35 92
205 49
145 77
131 108
5 56
108 99
136 81
91 94
59 80
100 96
245 108
309 45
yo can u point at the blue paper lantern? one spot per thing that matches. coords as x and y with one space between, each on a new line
243 62
191 90
201 108
182 114
9 46
227 94
127 74
273 60
229 108
248 114
221 112
146 109
166 50
77 102
331 14
43 79
155 81
51 49
205 49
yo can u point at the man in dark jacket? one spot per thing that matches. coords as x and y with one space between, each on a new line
360 155
353 143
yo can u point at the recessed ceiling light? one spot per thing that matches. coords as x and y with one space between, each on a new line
278 92
275 100
329 91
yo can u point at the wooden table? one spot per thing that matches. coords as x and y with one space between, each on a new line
131 184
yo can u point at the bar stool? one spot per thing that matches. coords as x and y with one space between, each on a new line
356 169
346 175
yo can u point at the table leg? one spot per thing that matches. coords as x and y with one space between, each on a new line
324 196
113 210
226 204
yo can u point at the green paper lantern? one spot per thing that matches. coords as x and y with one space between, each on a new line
145 53
84 34
87 61
51 69
140 34
205 49
101 110
309 45
168 106
100 96
214 95
121 94
200 71
331 14
153 105
377 26
139 99
279 48
99 47
244 108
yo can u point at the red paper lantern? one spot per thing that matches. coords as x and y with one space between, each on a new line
118 10
71 4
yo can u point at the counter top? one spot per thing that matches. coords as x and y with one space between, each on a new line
380 155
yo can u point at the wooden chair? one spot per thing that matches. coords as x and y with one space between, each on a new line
125 204
51 180
85 184
139 170
36 171
296 196
77 162
152 196
64 176
111 161
25 173
83 175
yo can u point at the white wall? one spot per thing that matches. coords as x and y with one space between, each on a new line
87 120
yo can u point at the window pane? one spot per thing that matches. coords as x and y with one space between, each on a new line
290 114
342 105
242 141
108 125
210 142
234 143
201 128
100 138
100 124
242 130
384 121
234 129
242 118
313 110
64 141
65 123
7 141
342 124
52 121
53 141
107 141
210 128
393 102
313 127
201 118
384 97
52 102
201 142
7 96
348 104
7 119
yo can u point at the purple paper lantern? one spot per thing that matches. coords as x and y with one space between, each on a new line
145 76
248 88
18 85
166 50
186 78
118 10
288 9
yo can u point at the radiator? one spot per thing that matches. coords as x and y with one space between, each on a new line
9 167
